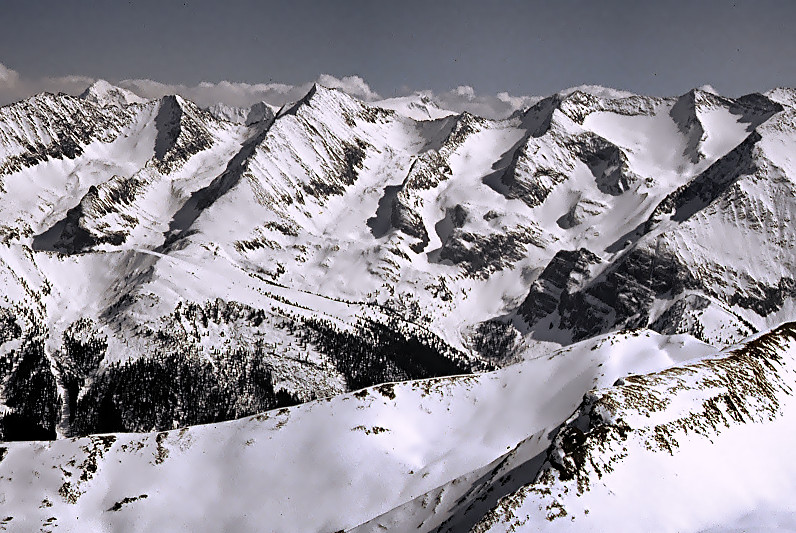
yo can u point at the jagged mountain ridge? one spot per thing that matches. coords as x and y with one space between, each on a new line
164 228
165 266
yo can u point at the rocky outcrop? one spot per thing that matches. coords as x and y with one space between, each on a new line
427 172
606 161
181 133
709 185
581 210
101 217
565 273
645 416
480 255
545 162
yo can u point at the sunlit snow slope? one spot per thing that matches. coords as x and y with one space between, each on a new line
323 466
170 273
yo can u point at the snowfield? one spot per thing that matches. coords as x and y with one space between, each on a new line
295 469
348 316
443 454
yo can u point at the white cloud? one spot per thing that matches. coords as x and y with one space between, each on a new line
231 93
517 102
245 94
353 85
13 87
464 91
8 77
464 98
65 84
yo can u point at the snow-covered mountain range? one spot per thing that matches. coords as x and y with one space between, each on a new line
165 265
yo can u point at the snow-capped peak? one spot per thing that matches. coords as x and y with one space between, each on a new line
417 106
291 107
228 112
260 111
599 91
782 95
103 93
708 89
323 98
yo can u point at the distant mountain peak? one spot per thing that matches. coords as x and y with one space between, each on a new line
598 91
708 89
259 112
416 106
104 94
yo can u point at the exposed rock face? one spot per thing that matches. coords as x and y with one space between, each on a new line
581 210
181 133
426 172
579 104
482 255
623 294
660 272
606 162
592 301
532 175
100 218
708 186
555 147
260 113
565 273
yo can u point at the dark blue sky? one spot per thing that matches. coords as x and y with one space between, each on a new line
521 47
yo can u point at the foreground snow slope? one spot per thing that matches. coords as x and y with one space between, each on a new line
704 445
324 466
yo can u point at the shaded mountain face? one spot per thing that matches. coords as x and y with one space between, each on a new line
236 260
